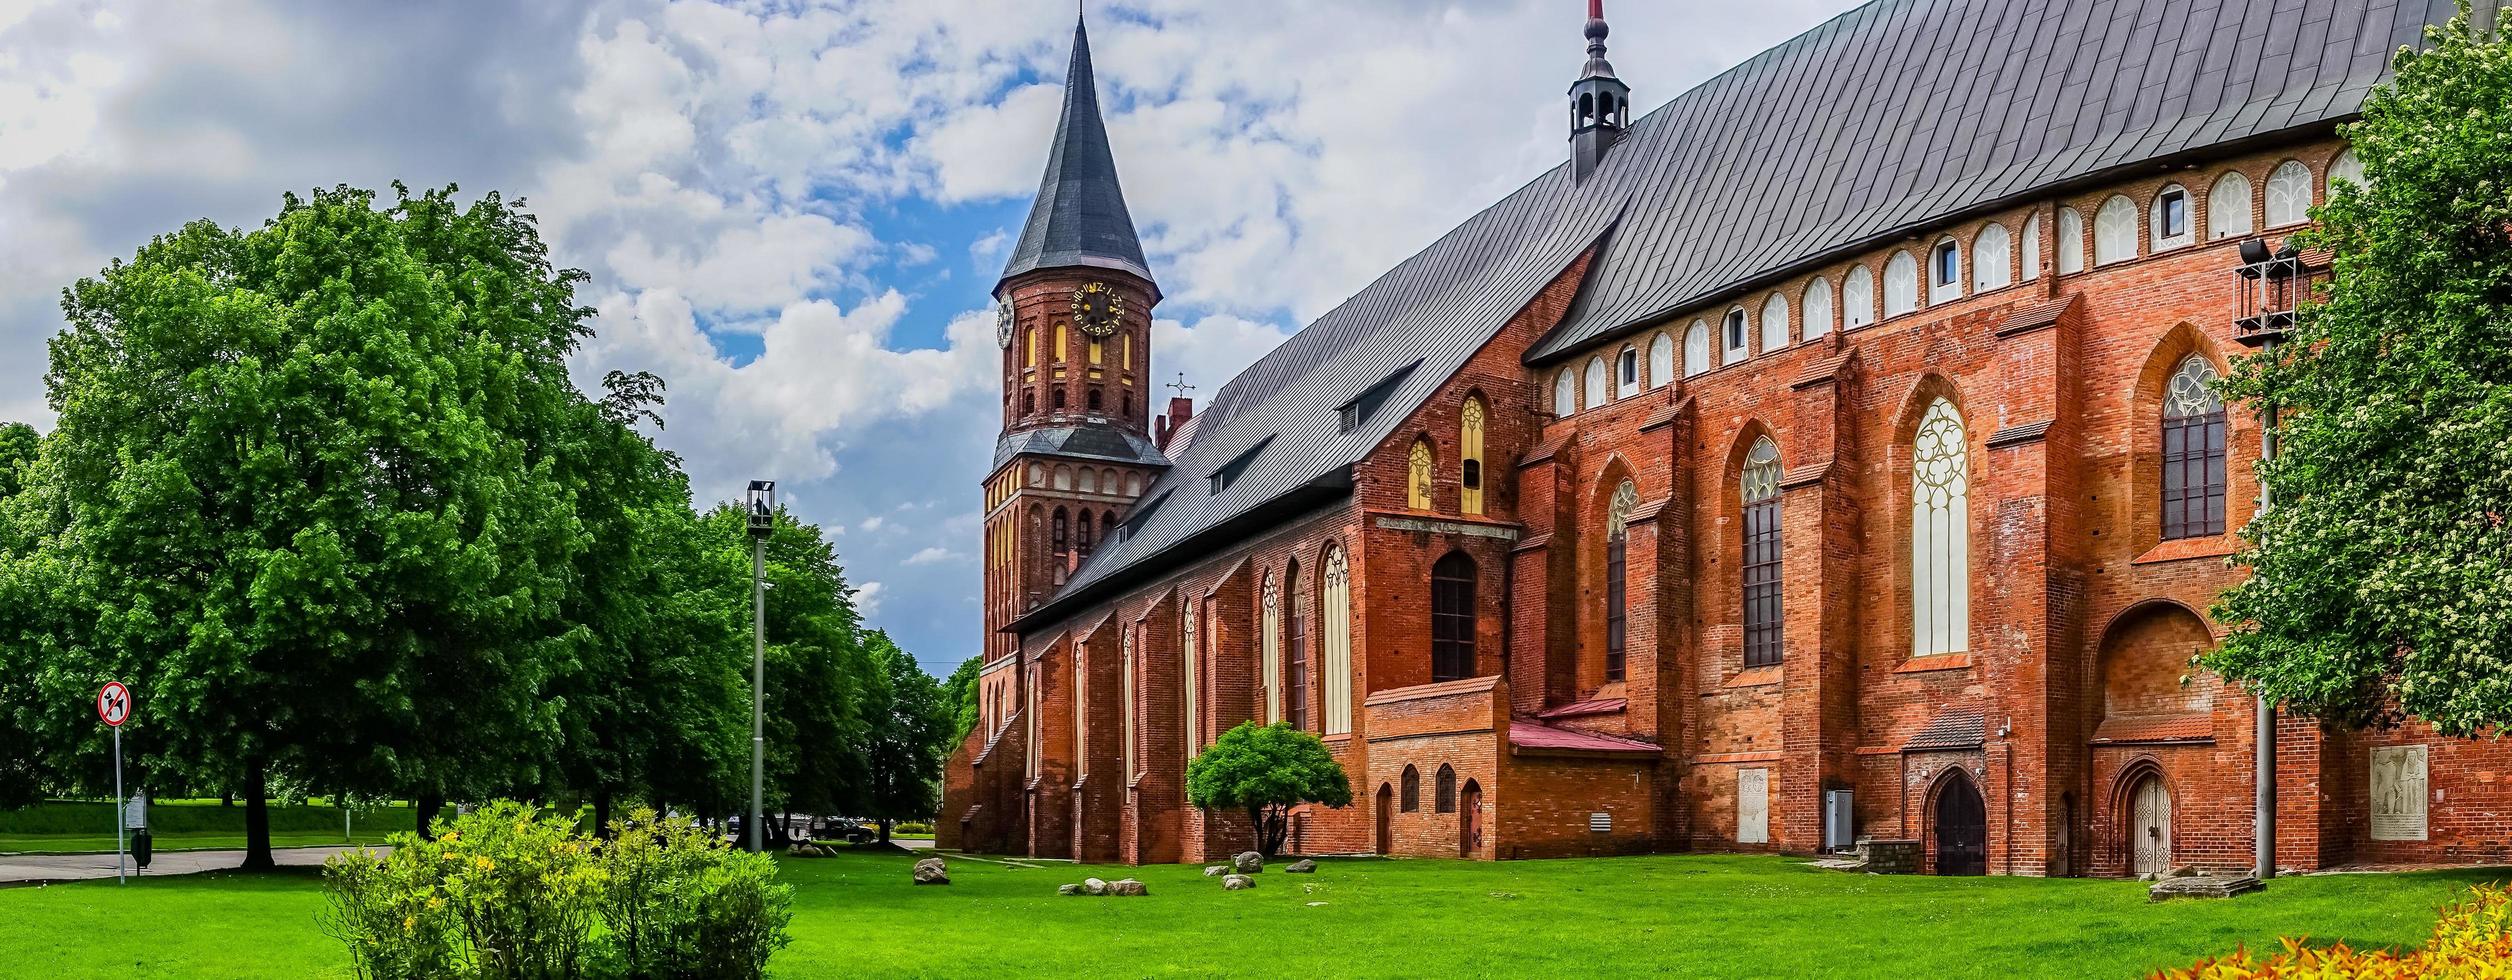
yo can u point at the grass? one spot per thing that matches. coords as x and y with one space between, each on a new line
81 827
857 915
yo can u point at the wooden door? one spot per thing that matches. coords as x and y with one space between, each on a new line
1386 819
1470 820
1962 829
2150 828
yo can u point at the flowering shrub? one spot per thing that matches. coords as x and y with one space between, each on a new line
2473 941
511 893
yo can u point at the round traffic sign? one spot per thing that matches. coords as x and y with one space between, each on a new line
113 704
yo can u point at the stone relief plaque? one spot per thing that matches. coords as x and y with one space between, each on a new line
2398 793
1753 806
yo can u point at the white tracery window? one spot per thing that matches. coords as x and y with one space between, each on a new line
1818 308
1774 323
1627 373
1270 644
1901 285
2347 167
1337 630
2289 194
1940 539
2228 206
2171 218
1857 299
2031 257
1192 641
2115 231
1565 394
2071 241
1735 332
1594 390
1125 694
1661 360
1696 349
1992 259
1945 281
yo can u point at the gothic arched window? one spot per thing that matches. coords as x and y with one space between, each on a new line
1452 589
2347 167
1595 383
1418 476
1901 284
1857 298
2168 220
1081 533
1940 535
2115 231
1337 599
1565 394
1696 349
1617 588
2071 241
2289 194
1661 360
1295 642
2228 206
1444 789
1191 638
1470 457
2193 453
1125 693
2030 248
1992 259
1062 534
1774 323
1409 789
1762 612
1818 308
1627 373
1095 400
1269 641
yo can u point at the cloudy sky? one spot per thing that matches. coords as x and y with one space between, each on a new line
793 211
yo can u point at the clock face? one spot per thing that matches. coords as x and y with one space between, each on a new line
1097 309
1003 323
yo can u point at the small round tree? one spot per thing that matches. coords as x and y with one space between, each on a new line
1268 769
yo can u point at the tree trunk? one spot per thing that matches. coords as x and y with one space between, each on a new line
1256 827
602 813
425 808
256 820
885 830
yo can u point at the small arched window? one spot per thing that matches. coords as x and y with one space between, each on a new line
2169 223
1565 394
1030 344
1945 273
1418 476
2228 206
2071 242
1661 360
1335 622
2193 453
1762 613
1818 308
1857 298
1940 535
1992 259
2115 231
1696 349
1056 399
1037 474
2347 168
1409 790
1029 403
1081 533
2030 257
1627 373
1901 284
1593 387
1064 478
2289 194
1061 537
1062 339
1095 401
1617 592
1470 456
1089 482
1452 619
1444 789
1133 484
1774 323
1735 336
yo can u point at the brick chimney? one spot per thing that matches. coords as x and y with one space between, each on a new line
1165 427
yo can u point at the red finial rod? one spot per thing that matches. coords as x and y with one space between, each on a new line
1596 9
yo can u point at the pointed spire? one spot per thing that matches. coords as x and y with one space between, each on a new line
1600 104
1597 66
1079 218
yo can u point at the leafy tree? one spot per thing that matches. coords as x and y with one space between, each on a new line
960 692
310 501
18 443
908 725
1266 769
2383 572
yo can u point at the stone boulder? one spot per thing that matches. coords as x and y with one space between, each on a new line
1236 883
931 871
1248 862
1128 887
1095 886
1068 889
1216 871
1302 866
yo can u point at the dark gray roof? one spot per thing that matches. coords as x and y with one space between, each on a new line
1890 117
1090 441
1906 113
1079 218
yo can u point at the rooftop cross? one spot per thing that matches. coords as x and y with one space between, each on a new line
1180 386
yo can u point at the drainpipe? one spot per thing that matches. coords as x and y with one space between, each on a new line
2263 817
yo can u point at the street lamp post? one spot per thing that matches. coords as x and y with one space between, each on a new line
762 521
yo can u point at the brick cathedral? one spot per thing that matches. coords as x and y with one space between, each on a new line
1826 454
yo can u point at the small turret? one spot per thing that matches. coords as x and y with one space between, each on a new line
1600 104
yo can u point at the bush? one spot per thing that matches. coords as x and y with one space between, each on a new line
2473 939
510 892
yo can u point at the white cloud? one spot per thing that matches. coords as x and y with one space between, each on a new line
868 598
873 523
930 556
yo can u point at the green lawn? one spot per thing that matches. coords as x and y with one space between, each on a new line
857 915
81 826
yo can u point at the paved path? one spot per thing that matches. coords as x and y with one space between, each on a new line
21 869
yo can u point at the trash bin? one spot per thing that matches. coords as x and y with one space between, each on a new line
142 844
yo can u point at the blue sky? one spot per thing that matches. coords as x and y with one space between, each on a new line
794 211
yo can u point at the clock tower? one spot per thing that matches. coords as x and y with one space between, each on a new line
1073 318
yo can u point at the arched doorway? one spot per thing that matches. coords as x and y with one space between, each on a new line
2149 826
1470 820
1962 827
1386 819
